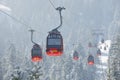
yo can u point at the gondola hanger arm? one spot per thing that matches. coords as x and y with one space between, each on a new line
60 10
32 36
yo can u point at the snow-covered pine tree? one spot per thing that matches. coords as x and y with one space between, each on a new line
114 60
17 74
35 73
9 60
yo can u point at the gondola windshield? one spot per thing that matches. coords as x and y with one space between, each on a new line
54 42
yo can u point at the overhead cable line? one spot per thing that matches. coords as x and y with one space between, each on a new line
15 19
52 4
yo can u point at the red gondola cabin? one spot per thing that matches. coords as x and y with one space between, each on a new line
36 53
54 45
75 55
90 60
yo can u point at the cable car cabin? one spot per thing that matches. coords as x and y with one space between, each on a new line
98 52
54 46
36 53
90 60
75 55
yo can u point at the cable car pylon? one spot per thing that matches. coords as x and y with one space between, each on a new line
54 44
36 51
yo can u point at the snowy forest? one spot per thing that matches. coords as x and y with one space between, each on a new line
90 43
